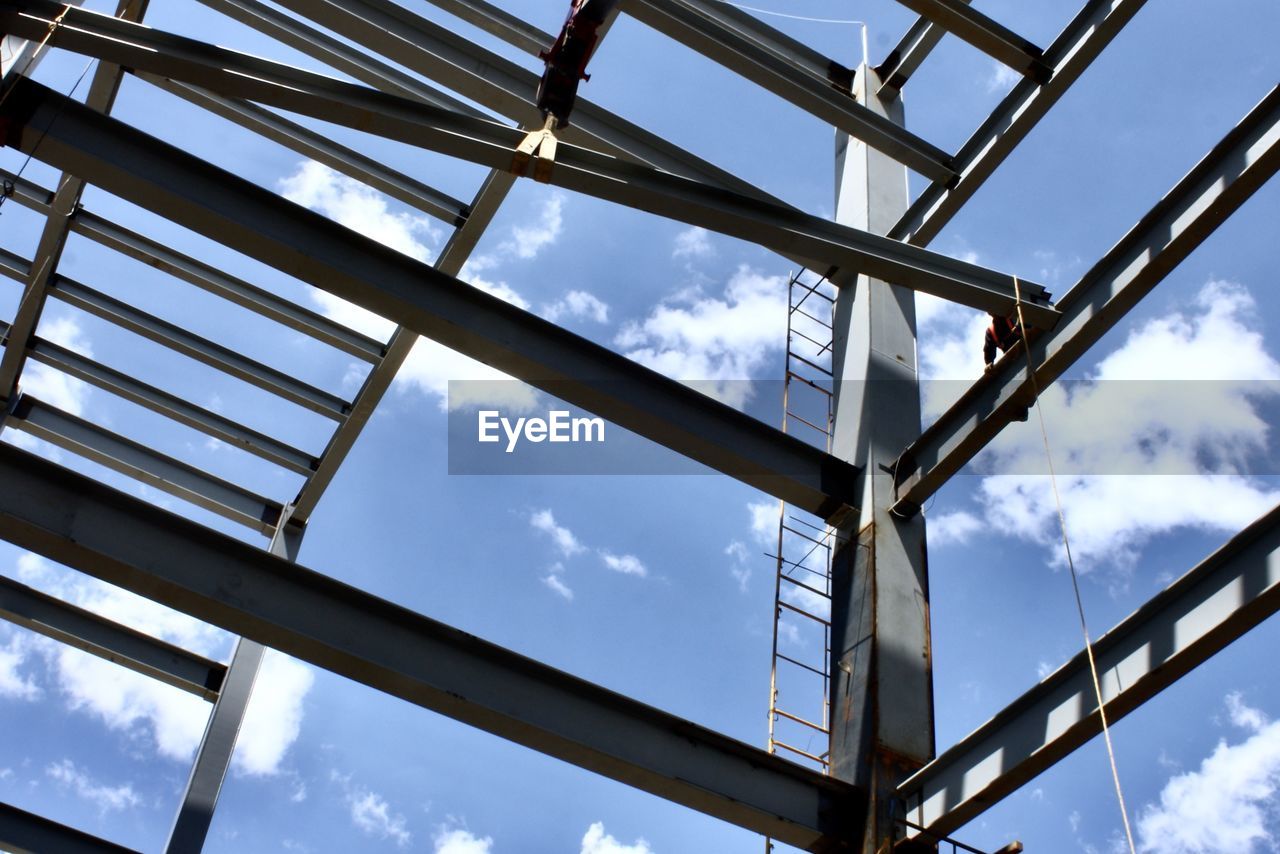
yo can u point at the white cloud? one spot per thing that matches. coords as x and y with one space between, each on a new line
596 841
1227 805
50 385
360 208
740 570
458 841
577 304
553 581
1190 441
955 527
1002 78
542 231
140 706
693 242
105 798
14 684
565 541
273 719
764 522
373 815
714 343
626 564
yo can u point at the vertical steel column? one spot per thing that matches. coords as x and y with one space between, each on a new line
214 756
881 691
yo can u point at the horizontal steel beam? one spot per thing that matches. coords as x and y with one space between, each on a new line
1243 161
153 253
314 249
915 45
135 460
1196 617
993 39
784 230
496 22
321 149
1088 34
181 341
22 831
88 526
689 24
171 406
85 630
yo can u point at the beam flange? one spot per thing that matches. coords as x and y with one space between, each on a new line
88 526
316 250
988 36
1245 159
785 230
24 831
96 635
1196 617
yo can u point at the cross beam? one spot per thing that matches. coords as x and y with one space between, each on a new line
316 250
1196 617
89 526
785 230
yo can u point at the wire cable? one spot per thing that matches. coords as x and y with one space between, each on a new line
1075 581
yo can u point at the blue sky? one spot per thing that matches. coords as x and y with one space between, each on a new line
656 586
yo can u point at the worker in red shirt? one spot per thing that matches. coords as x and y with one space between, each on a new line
1003 333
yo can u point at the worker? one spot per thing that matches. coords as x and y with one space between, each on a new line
1003 332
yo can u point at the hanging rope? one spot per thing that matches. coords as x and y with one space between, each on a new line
790 16
1075 581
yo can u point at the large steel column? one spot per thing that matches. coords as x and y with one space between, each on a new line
881 687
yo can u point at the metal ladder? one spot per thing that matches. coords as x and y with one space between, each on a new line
799 676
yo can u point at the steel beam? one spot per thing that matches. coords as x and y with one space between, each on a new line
171 406
916 43
1199 615
209 770
784 230
455 253
22 832
1229 174
85 630
53 237
136 460
213 758
314 249
496 22
86 525
993 39
690 24
321 149
179 340
1088 34
484 77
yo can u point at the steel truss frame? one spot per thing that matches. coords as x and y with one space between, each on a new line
77 521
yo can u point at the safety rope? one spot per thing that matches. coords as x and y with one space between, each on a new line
1075 581
790 16
53 26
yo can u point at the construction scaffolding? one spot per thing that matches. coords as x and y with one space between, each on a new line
812 786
